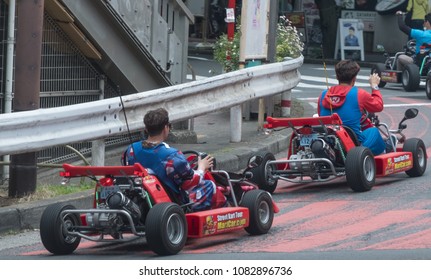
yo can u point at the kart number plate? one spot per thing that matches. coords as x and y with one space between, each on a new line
105 191
307 139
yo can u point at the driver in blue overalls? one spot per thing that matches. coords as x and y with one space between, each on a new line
349 102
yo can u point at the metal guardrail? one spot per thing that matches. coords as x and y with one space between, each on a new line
38 129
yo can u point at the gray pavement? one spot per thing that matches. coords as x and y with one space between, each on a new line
213 137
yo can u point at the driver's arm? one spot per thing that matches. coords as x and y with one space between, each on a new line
179 169
401 24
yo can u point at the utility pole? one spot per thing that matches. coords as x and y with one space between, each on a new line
23 169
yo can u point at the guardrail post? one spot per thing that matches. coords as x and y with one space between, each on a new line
98 146
286 98
235 123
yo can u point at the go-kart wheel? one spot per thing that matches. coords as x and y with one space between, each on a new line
428 86
193 157
261 211
379 68
166 229
53 233
262 174
417 148
360 169
411 77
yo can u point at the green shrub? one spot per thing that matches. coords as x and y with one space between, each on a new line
288 44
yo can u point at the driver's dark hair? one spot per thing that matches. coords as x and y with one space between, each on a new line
346 70
428 17
155 121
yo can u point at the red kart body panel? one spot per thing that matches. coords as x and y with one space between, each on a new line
292 122
215 221
390 163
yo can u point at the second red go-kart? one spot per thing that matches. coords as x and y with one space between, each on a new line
322 149
130 202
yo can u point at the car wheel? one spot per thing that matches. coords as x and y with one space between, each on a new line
417 148
54 228
411 77
166 229
379 68
360 169
262 174
428 86
261 211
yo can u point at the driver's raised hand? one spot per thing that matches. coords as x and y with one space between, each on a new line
374 80
205 163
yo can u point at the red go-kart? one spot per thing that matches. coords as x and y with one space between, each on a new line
129 203
322 149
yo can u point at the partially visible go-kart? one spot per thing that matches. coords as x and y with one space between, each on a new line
130 202
412 75
322 149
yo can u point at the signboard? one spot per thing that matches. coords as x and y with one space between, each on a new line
254 29
368 18
350 39
298 21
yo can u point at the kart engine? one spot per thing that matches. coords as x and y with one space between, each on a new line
319 148
117 200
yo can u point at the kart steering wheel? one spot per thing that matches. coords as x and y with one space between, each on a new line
193 158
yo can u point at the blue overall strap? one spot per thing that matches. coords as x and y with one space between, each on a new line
349 112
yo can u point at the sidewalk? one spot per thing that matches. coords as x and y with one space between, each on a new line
213 137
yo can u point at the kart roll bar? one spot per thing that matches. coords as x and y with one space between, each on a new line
333 119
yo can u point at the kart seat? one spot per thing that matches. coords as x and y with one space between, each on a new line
352 135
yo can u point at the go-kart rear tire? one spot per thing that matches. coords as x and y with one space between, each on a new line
259 204
417 148
166 229
262 174
379 68
360 169
411 77
52 233
428 86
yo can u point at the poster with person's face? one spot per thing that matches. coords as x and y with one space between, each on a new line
351 34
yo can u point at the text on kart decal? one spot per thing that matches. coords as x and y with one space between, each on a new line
219 223
398 163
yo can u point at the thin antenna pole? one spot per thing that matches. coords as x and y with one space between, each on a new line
326 77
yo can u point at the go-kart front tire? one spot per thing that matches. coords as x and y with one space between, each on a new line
411 77
262 174
261 211
166 229
360 169
379 68
417 148
53 234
